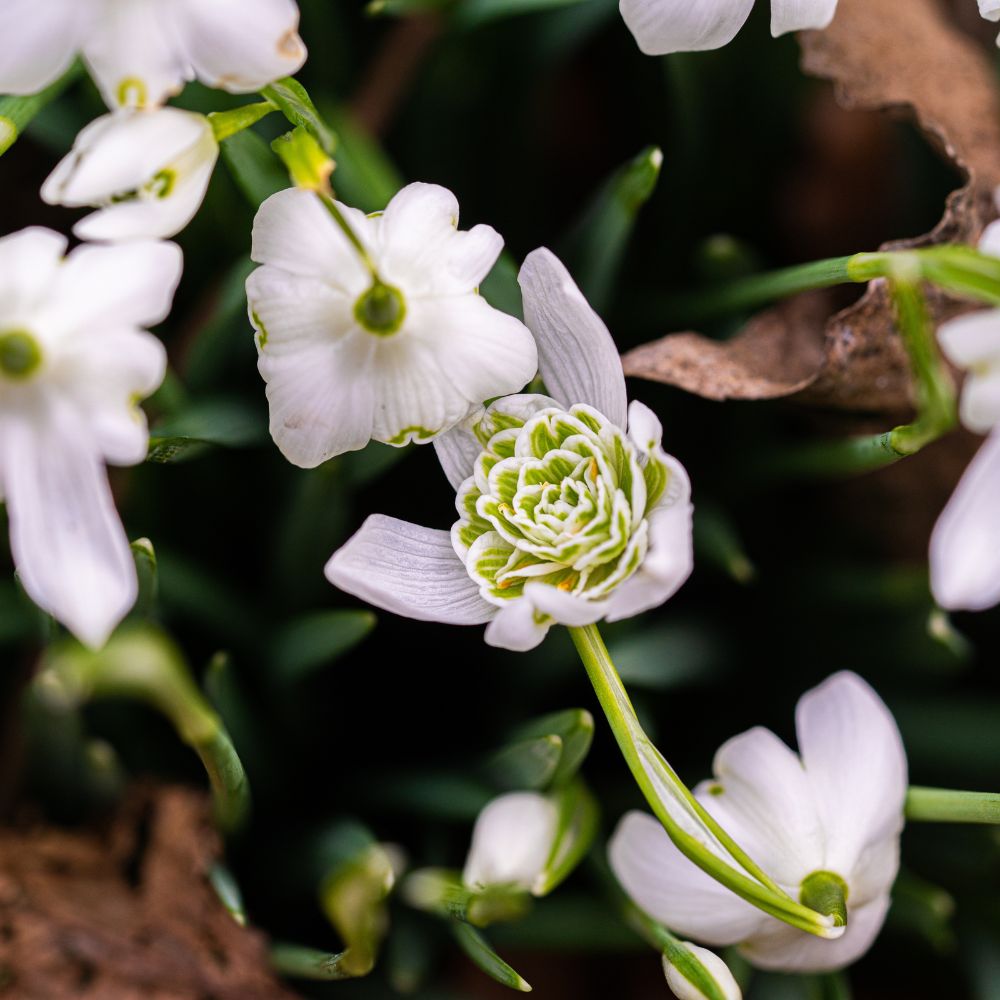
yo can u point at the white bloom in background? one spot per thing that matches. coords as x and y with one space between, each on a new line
74 361
145 171
684 989
824 819
564 517
990 9
140 52
346 360
512 842
664 26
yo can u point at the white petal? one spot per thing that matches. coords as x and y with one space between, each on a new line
29 262
797 15
134 55
294 231
40 41
989 242
240 45
511 841
684 989
672 889
783 948
990 9
965 544
979 407
457 451
517 626
855 762
972 339
483 352
664 26
762 790
577 357
68 545
566 609
409 570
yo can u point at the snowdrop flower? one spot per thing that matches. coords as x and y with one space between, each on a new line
140 52
74 360
512 842
684 989
825 823
563 515
664 26
348 358
145 171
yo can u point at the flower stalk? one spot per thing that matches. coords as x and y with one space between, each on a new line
942 805
696 834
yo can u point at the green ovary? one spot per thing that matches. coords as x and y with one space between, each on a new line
20 354
560 499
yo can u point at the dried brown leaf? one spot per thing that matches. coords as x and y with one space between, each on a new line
881 54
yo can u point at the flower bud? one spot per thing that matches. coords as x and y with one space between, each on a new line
694 974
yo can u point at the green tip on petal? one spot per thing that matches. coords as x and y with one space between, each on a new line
381 310
826 893
20 355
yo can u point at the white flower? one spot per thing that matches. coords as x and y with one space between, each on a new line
563 516
990 9
664 26
140 52
146 171
684 989
345 360
512 842
828 817
74 360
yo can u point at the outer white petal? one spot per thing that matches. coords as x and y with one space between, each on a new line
990 9
409 570
783 948
973 339
683 989
29 262
979 407
239 45
512 841
673 890
855 762
457 451
517 626
133 53
294 231
577 357
68 544
965 544
566 609
664 26
797 15
40 41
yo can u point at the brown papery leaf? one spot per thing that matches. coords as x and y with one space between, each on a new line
898 55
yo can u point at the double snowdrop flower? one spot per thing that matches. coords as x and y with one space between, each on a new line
965 544
664 26
564 515
387 338
74 361
825 823
145 171
140 52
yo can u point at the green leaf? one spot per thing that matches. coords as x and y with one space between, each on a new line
365 177
226 124
213 422
530 763
923 910
17 112
145 566
403 8
575 729
596 247
317 640
474 13
578 821
479 951
717 542
500 287
294 102
255 169
669 656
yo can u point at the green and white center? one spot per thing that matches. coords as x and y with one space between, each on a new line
560 497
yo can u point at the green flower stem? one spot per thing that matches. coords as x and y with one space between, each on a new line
142 663
334 209
16 113
299 962
657 781
942 805
226 124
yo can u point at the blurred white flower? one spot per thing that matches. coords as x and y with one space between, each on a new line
74 362
664 26
145 171
684 989
140 52
346 360
564 517
825 823
990 9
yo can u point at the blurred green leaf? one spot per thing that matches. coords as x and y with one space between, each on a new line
317 640
474 13
500 288
530 763
17 112
716 541
294 102
365 177
145 566
222 422
668 656
258 173
924 911
545 751
479 951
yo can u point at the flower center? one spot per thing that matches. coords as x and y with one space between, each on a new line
381 310
20 355
826 893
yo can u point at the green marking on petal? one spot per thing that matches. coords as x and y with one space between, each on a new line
8 134
408 434
20 354
262 334
162 184
132 93
826 893
381 310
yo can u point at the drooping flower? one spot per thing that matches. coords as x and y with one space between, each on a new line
74 361
664 26
347 358
145 171
564 516
824 823
140 52
684 989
